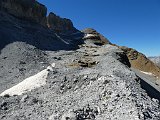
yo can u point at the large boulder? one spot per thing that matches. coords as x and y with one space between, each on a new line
59 24
95 37
25 9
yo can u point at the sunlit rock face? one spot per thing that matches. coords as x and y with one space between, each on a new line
140 61
95 37
59 24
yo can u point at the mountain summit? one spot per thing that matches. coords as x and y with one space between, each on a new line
49 70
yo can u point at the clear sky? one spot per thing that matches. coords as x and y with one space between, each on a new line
132 23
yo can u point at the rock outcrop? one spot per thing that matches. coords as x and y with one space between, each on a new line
26 21
59 24
25 9
140 61
95 37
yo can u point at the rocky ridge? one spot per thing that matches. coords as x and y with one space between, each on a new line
141 62
84 75
137 60
106 90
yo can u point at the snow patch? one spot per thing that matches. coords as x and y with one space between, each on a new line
61 39
30 83
89 35
148 73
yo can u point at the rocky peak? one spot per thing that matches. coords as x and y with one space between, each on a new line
25 9
36 12
59 24
95 37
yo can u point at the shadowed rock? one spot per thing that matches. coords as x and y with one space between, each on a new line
25 9
25 21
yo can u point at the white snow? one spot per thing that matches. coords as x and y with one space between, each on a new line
30 83
89 35
148 73
61 39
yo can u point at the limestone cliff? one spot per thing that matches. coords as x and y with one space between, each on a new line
58 24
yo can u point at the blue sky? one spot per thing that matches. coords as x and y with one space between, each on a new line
132 23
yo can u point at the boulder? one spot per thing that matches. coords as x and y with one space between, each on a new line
25 9
59 24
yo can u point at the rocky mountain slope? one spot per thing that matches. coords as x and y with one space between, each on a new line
26 28
156 60
49 70
141 62
137 60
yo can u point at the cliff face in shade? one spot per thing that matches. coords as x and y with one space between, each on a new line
26 21
36 12
140 61
95 37
58 24
25 9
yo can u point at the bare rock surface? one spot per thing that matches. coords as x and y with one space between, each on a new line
54 74
141 62
93 36
17 30
58 24
25 9
107 90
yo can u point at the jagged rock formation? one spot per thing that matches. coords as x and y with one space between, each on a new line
73 80
25 9
21 20
58 24
92 35
140 61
